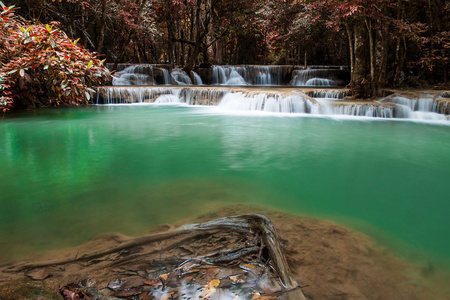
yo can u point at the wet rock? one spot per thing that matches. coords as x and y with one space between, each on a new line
38 274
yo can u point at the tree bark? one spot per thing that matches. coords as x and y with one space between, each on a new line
359 80
373 81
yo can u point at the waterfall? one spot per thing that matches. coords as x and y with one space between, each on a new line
320 77
198 79
166 76
181 78
329 94
267 103
424 108
135 75
127 95
247 75
361 110
283 101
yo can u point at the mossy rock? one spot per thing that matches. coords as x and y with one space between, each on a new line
15 290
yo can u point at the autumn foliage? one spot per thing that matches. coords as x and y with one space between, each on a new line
41 66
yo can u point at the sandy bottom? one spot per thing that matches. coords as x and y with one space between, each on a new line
331 261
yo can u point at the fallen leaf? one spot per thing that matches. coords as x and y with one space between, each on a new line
164 276
132 282
236 279
209 288
166 296
153 282
127 293
214 282
256 296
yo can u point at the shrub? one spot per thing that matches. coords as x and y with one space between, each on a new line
41 66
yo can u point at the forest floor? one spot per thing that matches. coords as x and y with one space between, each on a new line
327 260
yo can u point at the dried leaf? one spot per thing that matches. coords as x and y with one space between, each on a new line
166 296
127 293
256 296
164 276
210 288
153 282
236 279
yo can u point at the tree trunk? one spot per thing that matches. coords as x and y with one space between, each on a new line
351 49
101 37
359 80
384 44
373 81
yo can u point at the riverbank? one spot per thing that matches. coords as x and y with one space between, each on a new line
330 261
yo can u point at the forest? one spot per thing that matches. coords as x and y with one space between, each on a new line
386 43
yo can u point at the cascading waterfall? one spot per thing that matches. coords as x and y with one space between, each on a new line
190 96
425 107
329 94
128 95
268 103
135 75
247 75
198 79
320 77
181 78
166 76
358 110
244 99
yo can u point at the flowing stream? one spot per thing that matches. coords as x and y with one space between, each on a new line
70 174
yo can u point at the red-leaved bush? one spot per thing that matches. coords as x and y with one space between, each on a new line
41 66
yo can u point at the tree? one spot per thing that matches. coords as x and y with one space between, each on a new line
42 66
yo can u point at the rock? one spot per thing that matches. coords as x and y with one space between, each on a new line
37 274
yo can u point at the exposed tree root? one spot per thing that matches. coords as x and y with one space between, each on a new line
264 244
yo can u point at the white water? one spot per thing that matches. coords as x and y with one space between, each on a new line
180 77
166 76
421 109
247 75
329 94
267 103
135 75
314 77
198 79
424 108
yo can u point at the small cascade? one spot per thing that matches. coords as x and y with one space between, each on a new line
194 96
320 77
198 79
128 95
247 75
357 110
267 103
135 75
166 76
181 78
424 108
329 94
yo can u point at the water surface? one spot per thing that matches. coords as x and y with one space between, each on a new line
70 174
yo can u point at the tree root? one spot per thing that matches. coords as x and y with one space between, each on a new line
252 224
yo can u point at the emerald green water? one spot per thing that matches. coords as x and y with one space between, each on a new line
70 174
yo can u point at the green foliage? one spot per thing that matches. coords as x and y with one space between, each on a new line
42 66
